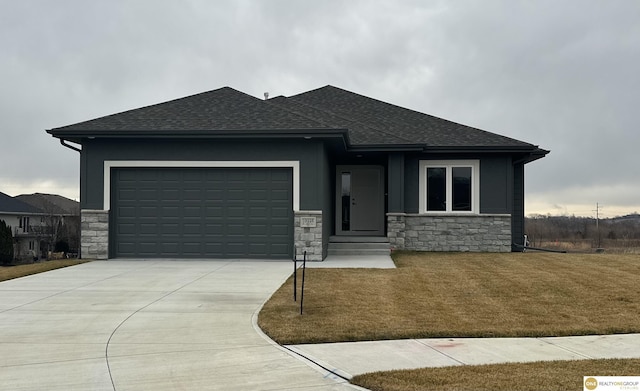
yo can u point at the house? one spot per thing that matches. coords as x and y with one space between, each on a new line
222 174
25 222
61 219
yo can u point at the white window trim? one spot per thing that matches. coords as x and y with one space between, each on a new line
475 184
293 164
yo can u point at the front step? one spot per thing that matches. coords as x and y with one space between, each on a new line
358 245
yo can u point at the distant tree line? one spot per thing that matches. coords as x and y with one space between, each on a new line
541 229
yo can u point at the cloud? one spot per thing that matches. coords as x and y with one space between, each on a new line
558 74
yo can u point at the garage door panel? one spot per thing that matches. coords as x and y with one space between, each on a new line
258 248
127 229
129 194
236 229
169 248
126 211
236 211
259 195
214 194
170 211
280 212
148 229
167 229
257 212
192 211
256 230
280 195
126 247
191 248
193 194
214 212
279 230
278 248
167 194
213 229
198 212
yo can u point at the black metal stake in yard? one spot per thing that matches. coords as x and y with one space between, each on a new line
304 268
295 276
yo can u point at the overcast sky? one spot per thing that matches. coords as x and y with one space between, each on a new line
564 75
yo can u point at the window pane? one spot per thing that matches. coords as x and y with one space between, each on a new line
461 188
346 201
436 189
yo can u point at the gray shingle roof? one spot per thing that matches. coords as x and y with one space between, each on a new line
369 122
12 205
386 123
51 203
221 109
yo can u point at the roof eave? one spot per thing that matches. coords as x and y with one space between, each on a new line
385 148
78 135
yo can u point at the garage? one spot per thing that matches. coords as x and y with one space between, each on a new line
201 213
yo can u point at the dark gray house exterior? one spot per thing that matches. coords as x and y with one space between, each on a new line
222 174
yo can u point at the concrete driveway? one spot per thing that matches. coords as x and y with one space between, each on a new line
147 325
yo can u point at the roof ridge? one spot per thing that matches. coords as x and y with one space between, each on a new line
296 112
154 105
376 129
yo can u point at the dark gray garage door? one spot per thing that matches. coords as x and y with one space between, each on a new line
202 213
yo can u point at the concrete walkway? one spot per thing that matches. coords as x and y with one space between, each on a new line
354 261
147 325
353 358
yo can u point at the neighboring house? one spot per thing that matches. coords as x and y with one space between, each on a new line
61 218
222 174
26 224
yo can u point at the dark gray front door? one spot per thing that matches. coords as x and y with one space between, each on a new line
202 213
360 200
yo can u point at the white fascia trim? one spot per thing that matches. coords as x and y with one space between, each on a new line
293 164
475 185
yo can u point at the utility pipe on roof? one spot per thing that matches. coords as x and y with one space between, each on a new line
62 141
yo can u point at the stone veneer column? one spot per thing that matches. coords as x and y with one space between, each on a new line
396 230
308 238
94 234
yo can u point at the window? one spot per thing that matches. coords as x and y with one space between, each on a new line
449 186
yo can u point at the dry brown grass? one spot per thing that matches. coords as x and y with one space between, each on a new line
462 295
543 376
10 272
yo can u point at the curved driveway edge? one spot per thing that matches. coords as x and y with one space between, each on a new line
147 325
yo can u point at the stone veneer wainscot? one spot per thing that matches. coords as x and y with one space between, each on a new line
473 233
94 237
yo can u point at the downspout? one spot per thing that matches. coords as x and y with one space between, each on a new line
514 244
63 142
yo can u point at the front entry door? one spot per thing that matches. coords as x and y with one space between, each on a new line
360 200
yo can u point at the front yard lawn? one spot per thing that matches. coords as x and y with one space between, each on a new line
10 272
468 295
462 295
537 376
